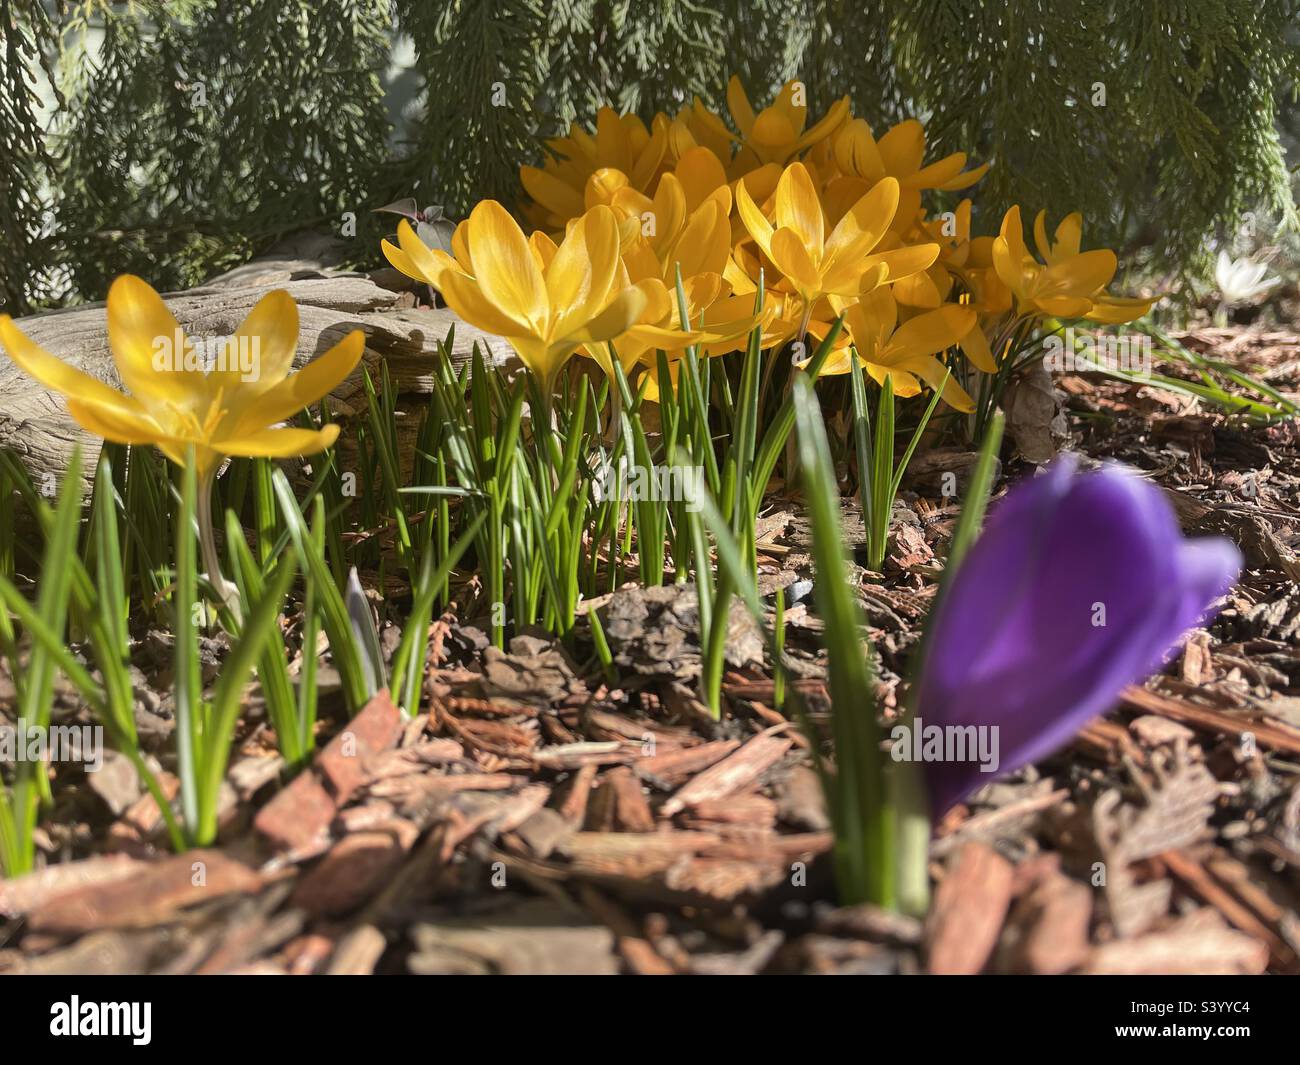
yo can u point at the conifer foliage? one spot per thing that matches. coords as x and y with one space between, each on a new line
177 138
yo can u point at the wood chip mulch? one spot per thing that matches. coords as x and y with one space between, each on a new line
537 819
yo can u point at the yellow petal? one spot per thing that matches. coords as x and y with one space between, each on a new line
932 372
871 216
903 148
401 261
856 152
904 262
602 187
966 180
929 333
1083 274
790 256
1013 234
623 310
430 264
1008 267
112 423
742 114
1040 237
141 327
755 221
704 243
701 173
506 271
918 290
1114 310
830 122
1069 234
937 174
799 209
561 200
269 334
299 390
280 443
649 157
59 376
976 346
583 270
464 296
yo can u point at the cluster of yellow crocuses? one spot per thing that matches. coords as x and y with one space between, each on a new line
829 216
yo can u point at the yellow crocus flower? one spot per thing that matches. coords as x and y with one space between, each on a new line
1071 284
900 153
700 250
778 133
815 264
545 300
621 142
219 406
189 403
905 351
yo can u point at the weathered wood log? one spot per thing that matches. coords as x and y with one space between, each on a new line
34 422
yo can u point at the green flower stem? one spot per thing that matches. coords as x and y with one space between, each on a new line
226 591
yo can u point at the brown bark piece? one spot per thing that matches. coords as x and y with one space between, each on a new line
1051 922
969 908
732 774
151 896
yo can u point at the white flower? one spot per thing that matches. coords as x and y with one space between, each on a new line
1241 280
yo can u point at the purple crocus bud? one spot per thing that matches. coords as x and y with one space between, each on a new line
1080 585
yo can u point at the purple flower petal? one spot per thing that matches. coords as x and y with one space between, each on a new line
1079 586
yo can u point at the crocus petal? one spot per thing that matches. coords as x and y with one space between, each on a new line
269 337
622 311
931 332
464 296
298 390
798 208
738 102
1078 587
579 275
936 375
59 376
754 220
903 148
401 261
701 174
856 151
976 347
790 256
140 327
429 263
870 217
506 271
1069 234
1114 310
964 180
281 443
1083 274
563 201
904 262
937 174
113 423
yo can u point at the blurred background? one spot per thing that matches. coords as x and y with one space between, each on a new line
179 139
